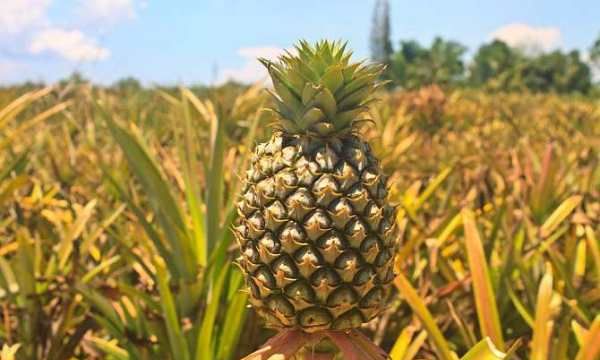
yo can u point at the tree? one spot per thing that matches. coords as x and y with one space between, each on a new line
557 71
595 54
414 65
76 78
494 65
381 46
128 84
595 62
446 61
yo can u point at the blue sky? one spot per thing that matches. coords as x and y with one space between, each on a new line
203 41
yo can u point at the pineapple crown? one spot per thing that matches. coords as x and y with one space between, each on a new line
318 91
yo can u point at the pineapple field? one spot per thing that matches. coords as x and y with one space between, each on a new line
121 225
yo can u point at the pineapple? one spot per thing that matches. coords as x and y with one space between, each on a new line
316 233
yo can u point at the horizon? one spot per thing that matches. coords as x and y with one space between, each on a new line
210 43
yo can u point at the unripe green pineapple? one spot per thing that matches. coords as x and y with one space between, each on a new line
316 233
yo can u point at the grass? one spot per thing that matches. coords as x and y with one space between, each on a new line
116 210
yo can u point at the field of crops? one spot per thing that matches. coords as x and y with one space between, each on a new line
116 207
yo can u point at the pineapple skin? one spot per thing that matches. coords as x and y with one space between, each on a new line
317 236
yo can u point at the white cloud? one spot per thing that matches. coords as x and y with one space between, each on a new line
529 37
72 45
19 15
107 10
251 71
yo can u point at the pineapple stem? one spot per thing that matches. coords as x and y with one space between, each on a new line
295 344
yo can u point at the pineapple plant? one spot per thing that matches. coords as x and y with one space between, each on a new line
315 229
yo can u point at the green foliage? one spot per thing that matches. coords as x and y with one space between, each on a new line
116 207
500 245
414 66
557 72
595 53
495 66
110 239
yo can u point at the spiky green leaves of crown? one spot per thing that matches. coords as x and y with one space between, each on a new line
318 91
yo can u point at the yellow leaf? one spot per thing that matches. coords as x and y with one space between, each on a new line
559 215
483 292
546 307
590 349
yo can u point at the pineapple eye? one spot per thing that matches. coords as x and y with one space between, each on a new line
356 232
383 257
373 298
250 252
314 317
374 214
306 171
268 243
256 225
308 255
348 265
273 146
326 158
370 177
326 190
288 154
292 237
275 215
344 295
359 198
299 204
331 241
285 266
357 158
369 248
364 275
345 175
348 320
325 276
317 224
279 305
265 191
300 290
265 277
264 164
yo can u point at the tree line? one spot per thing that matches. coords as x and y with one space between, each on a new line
495 65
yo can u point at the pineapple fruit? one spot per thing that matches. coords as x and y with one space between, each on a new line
315 230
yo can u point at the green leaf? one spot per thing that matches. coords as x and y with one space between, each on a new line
233 324
188 151
309 92
333 78
113 321
326 102
99 268
312 116
214 182
110 347
17 165
205 342
179 348
141 218
159 195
